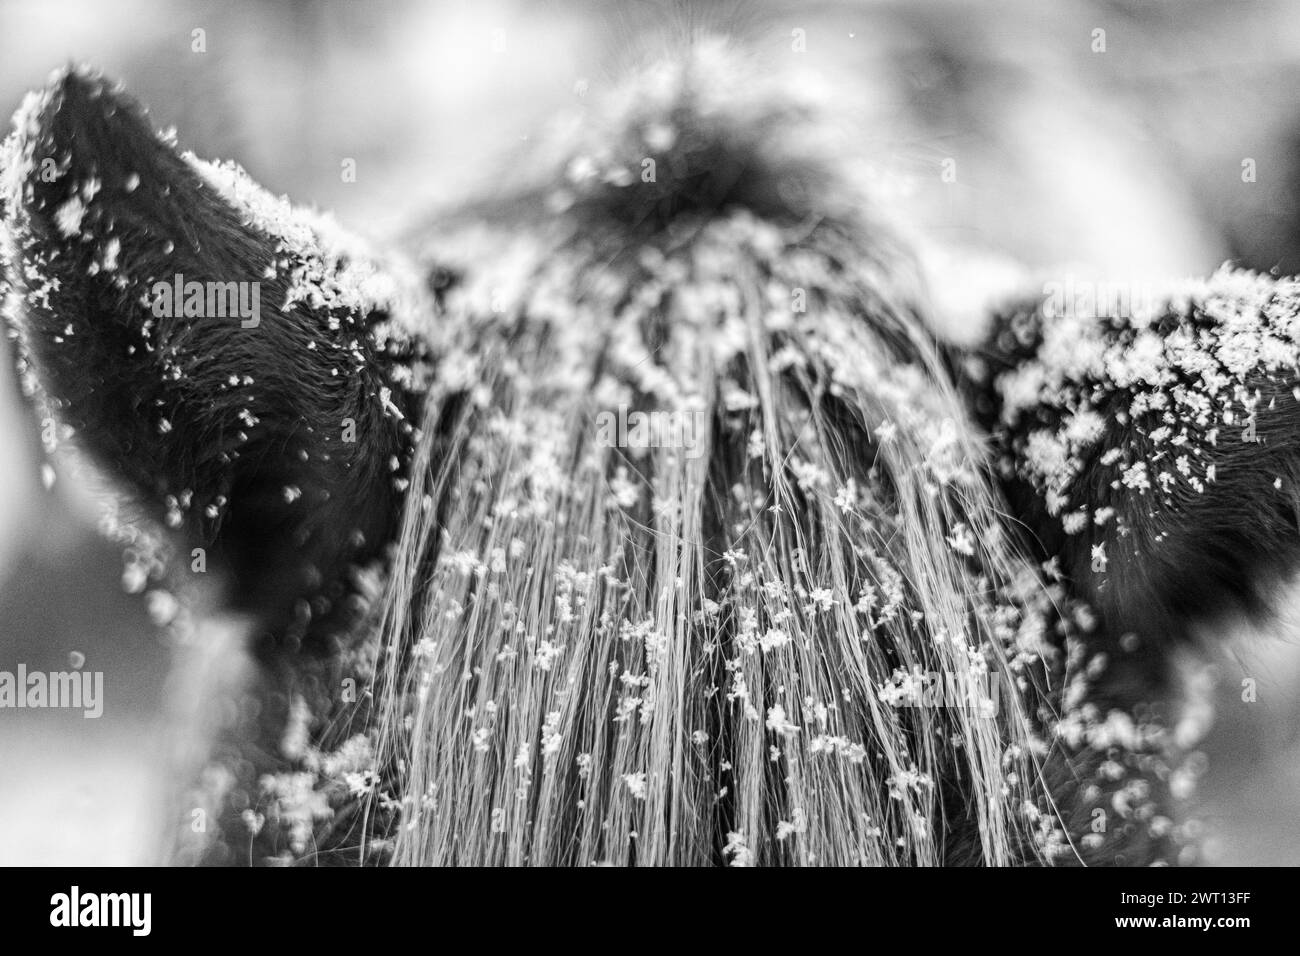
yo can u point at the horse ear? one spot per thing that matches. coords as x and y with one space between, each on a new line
1151 446
235 363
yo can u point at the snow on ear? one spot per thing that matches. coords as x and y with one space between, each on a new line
246 370
1150 441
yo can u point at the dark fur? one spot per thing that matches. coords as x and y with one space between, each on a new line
108 368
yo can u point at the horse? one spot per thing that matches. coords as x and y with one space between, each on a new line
641 511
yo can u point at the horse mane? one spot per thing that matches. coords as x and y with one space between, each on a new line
783 625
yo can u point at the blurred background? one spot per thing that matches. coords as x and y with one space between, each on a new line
1139 138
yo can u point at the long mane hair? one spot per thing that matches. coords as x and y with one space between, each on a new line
700 561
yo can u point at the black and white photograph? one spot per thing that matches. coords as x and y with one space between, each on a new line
651 433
